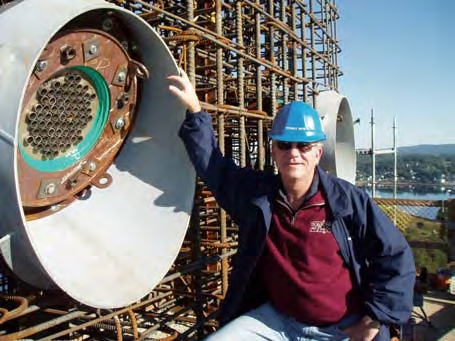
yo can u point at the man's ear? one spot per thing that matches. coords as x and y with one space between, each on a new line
273 151
320 152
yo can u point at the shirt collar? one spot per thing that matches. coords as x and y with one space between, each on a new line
308 195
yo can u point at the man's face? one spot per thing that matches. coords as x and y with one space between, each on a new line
296 160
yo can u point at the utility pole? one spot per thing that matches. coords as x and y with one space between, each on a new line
373 157
395 170
375 152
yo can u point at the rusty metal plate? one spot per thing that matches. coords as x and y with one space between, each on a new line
64 106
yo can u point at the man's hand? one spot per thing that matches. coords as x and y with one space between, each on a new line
364 330
185 91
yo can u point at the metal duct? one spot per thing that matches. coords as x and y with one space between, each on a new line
339 156
96 187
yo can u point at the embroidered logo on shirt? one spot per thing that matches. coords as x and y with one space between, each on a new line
321 227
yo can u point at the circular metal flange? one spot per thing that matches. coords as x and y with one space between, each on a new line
69 130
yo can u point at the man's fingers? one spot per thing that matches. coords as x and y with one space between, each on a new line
177 92
176 79
184 91
183 74
181 82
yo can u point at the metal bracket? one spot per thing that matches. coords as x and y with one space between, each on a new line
91 49
48 188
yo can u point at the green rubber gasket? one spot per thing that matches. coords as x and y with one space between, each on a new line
78 152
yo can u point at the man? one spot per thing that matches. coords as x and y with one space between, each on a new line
317 259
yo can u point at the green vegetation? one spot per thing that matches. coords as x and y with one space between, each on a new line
412 168
434 254
428 238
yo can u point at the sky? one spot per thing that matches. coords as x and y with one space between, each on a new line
398 59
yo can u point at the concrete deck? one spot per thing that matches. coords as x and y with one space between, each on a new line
440 308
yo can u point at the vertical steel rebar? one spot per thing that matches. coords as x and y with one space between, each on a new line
272 81
191 56
261 150
313 55
221 140
284 51
303 53
241 83
294 68
197 255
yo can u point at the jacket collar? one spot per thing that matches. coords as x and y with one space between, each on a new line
332 188
335 194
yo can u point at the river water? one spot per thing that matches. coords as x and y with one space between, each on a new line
414 195
424 212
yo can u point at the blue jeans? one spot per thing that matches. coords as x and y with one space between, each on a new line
266 323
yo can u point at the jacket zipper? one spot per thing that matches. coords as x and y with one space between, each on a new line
294 214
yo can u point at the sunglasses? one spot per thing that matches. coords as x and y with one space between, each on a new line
301 146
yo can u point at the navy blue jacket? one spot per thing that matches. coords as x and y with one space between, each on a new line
377 253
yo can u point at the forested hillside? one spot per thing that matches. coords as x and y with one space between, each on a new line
419 167
428 149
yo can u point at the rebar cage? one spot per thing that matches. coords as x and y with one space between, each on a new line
246 58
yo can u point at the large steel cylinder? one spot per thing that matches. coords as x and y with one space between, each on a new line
96 187
339 157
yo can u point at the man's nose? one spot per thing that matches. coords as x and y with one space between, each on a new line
294 150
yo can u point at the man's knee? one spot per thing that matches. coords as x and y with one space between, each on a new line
259 324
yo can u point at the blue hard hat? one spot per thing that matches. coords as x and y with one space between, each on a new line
297 122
